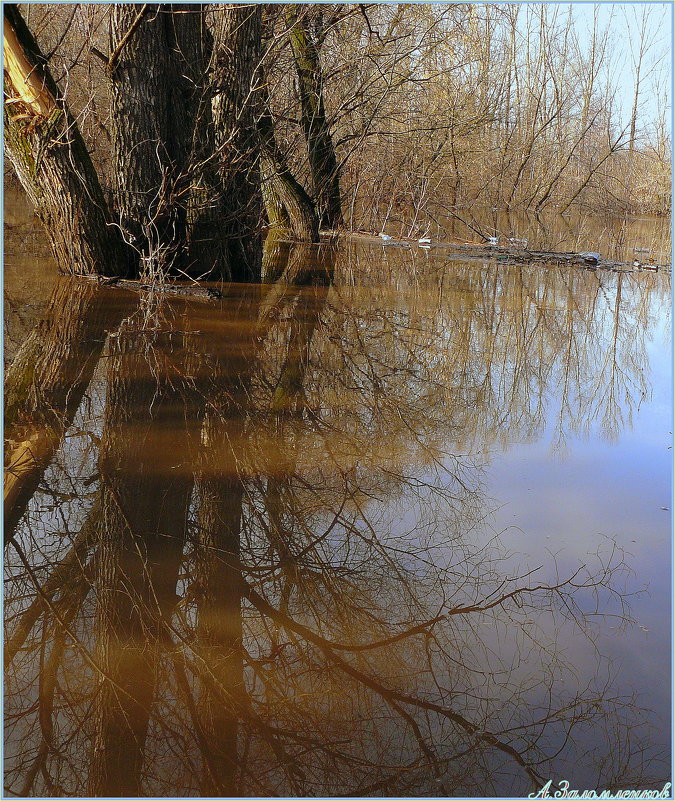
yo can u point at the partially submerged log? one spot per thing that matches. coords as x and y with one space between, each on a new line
457 251
471 251
198 291
513 255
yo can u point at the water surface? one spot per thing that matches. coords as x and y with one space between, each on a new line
392 524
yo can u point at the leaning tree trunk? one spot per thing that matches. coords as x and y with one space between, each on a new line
50 158
322 159
286 202
157 65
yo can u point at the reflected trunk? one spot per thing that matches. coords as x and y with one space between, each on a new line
314 267
218 576
46 382
145 494
268 579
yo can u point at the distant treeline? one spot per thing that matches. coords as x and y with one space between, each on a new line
405 114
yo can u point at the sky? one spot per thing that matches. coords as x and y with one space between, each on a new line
624 21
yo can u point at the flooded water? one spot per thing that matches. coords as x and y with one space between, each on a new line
618 238
390 525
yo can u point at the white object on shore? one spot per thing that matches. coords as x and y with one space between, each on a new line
424 241
493 240
384 237
517 243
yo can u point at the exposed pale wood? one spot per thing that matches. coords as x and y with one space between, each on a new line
50 158
46 382
24 459
27 83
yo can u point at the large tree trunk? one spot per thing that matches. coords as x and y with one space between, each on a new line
322 159
159 59
226 241
238 46
50 158
185 145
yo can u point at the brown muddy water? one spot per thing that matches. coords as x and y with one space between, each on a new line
397 527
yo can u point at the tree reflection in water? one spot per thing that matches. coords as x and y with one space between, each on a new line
248 568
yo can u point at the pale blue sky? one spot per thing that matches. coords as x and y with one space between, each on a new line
624 22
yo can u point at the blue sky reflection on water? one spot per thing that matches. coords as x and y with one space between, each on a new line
556 510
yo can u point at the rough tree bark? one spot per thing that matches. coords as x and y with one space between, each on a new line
185 145
157 66
226 241
238 36
287 204
44 144
320 149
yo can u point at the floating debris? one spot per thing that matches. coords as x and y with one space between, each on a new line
590 257
517 243
639 265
